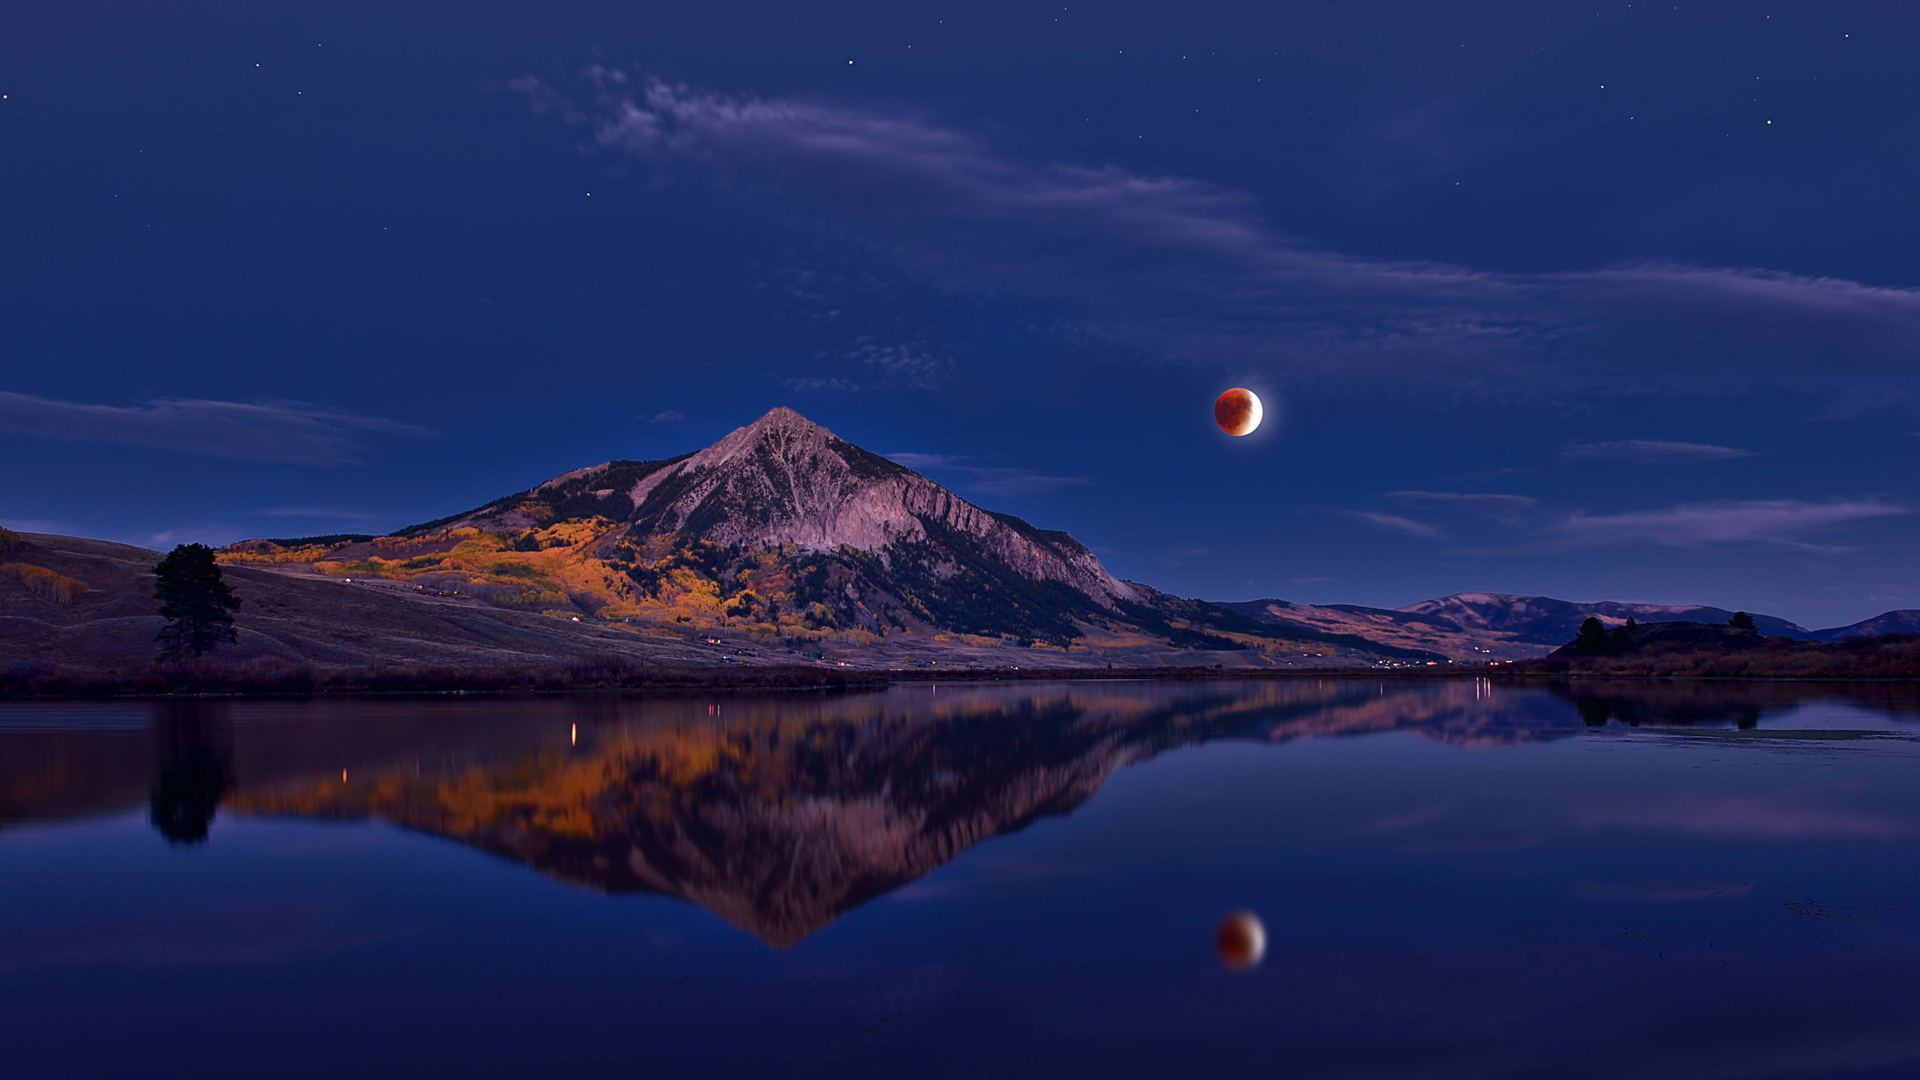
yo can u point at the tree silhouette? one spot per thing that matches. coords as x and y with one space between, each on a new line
1743 621
197 605
1621 640
192 771
1592 639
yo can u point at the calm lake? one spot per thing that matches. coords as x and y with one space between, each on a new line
1455 878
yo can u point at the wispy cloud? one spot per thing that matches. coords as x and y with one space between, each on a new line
902 366
1776 521
815 384
989 479
1498 504
1394 522
1653 451
667 416
279 431
1179 267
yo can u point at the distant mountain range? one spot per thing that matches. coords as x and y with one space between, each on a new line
779 542
1508 626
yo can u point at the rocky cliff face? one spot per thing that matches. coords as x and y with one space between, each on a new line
872 542
786 482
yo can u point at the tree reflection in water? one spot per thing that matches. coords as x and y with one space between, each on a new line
193 768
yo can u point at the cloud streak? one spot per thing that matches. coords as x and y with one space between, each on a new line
1394 522
1775 521
277 431
1652 452
989 479
1180 268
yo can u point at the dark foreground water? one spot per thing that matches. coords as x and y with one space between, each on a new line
1642 880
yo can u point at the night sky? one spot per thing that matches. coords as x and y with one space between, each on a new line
1601 301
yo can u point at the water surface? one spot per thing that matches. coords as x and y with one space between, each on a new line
1457 879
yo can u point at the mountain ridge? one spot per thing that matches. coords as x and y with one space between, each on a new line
1514 626
785 531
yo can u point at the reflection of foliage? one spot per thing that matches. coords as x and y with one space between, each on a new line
1668 706
193 772
785 816
780 813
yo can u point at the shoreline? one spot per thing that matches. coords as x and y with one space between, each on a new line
212 681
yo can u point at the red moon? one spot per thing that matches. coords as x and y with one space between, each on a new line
1241 941
1237 412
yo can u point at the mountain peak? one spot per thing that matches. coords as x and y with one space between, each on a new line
783 417
813 518
782 434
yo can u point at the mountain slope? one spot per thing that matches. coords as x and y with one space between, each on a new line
786 532
1904 621
297 618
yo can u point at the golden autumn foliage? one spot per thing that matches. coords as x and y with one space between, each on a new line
44 583
276 557
10 541
592 563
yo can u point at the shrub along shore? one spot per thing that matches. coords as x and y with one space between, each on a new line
1712 654
206 677
210 678
1894 657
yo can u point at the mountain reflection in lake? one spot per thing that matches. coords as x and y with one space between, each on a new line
1456 878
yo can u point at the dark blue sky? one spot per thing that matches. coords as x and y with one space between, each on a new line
1600 301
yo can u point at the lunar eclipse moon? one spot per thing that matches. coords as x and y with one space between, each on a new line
1237 412
1241 941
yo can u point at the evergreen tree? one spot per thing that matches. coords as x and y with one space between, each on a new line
1743 621
197 605
1592 639
1621 640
